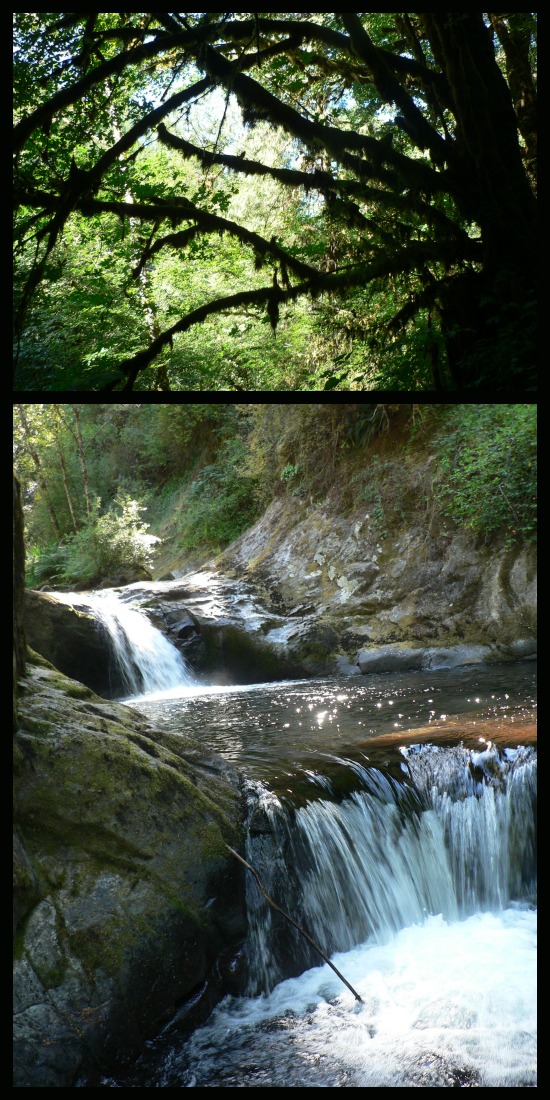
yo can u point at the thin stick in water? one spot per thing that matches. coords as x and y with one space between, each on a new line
292 921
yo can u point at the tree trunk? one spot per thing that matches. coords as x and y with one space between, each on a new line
487 317
64 469
83 467
38 467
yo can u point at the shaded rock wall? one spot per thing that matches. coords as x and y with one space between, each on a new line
72 640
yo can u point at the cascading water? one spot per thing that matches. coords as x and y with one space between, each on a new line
422 892
412 867
460 838
145 661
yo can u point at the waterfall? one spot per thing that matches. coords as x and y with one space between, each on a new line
456 836
413 869
144 660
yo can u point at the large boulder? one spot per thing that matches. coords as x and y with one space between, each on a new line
402 658
126 897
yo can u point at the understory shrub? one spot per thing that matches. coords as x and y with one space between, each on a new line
113 540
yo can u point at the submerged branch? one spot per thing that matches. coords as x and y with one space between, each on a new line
293 922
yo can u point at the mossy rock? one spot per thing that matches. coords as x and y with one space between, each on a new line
125 893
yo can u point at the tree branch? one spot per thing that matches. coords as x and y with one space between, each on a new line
176 209
43 114
421 133
415 256
315 135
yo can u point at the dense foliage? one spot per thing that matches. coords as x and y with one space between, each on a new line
110 540
98 481
284 201
489 463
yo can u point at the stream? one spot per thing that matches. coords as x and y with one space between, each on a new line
409 857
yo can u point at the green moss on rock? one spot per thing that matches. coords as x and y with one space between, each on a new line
127 839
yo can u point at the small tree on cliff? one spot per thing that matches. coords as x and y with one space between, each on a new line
416 133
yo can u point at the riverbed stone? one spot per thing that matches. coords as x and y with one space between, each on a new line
455 656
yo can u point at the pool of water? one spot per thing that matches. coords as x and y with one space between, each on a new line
272 730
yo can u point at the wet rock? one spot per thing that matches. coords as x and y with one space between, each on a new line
522 648
390 658
401 657
224 628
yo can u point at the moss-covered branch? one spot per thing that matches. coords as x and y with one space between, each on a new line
414 257
262 104
418 128
72 93
176 210
319 180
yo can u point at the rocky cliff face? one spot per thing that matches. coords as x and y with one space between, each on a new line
309 592
355 589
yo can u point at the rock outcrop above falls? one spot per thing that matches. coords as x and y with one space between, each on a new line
412 598
308 592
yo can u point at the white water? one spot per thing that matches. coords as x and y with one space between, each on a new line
388 856
428 893
446 1004
449 997
423 901
145 660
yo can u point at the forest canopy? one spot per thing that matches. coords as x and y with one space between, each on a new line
275 201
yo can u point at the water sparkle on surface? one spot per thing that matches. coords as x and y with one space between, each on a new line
255 726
